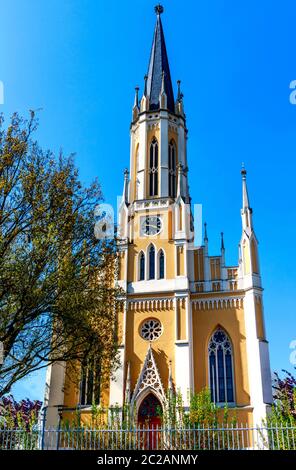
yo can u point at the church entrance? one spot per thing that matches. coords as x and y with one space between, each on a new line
149 420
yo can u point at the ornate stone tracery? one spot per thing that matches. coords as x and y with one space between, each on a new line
149 379
151 329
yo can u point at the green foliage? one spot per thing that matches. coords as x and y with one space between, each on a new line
57 300
19 415
202 412
284 393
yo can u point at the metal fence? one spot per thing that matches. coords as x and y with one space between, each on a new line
276 437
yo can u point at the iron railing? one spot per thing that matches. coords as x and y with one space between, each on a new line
275 437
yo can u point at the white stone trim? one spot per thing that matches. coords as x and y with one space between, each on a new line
152 304
152 204
182 370
190 340
258 362
218 303
117 382
54 392
159 285
142 385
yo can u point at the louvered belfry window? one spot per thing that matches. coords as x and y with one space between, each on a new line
153 168
172 169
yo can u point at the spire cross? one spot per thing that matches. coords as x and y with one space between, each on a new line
158 9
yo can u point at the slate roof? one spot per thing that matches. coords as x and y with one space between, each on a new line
158 65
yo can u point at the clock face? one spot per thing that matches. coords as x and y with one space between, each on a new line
151 225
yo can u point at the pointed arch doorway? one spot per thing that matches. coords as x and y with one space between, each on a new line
149 413
149 420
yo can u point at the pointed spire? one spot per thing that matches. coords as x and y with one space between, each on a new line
222 250
179 106
125 186
246 211
222 242
206 240
179 90
145 101
136 102
206 233
145 85
157 65
245 189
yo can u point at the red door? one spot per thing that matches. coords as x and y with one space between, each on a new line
149 422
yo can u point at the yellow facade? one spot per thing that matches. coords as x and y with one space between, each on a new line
204 318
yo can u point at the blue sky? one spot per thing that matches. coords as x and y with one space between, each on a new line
79 61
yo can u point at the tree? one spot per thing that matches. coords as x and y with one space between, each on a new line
284 408
57 300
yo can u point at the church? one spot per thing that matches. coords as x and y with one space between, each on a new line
189 321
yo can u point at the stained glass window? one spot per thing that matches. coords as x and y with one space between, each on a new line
161 265
151 262
221 367
142 267
150 407
151 329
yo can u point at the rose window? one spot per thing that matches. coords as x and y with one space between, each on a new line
151 329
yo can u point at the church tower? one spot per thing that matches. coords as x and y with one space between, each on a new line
188 320
156 240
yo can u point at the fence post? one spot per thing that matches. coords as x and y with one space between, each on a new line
59 428
268 436
43 427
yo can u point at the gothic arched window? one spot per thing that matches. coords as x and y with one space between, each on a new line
161 264
151 262
142 267
172 169
221 367
90 383
153 168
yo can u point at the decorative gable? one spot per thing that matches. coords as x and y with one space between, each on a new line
149 378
